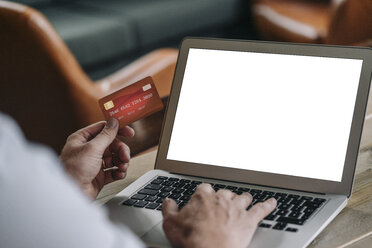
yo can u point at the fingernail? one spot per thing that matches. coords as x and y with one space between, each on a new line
127 153
126 166
112 123
272 201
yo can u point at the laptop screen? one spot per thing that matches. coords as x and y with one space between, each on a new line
275 113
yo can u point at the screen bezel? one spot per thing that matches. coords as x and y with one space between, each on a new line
262 178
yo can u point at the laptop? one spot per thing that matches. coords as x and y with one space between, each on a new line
273 119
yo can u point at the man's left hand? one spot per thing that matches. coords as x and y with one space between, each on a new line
90 149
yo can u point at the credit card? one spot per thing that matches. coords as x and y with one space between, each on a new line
132 103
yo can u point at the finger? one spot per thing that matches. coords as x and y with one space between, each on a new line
227 194
106 136
87 133
169 207
126 131
118 175
261 210
204 188
243 200
123 167
121 150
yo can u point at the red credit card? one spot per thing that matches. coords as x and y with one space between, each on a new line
132 103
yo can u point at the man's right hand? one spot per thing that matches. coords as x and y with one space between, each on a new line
214 219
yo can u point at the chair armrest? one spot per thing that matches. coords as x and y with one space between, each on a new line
364 43
159 64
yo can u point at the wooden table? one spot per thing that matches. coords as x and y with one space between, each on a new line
352 228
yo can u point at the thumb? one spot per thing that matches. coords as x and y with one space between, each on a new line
169 207
106 136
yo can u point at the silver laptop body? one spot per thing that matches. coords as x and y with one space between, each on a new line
263 117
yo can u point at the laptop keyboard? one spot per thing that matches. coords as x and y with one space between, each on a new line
291 208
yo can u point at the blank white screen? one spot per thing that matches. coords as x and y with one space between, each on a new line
274 113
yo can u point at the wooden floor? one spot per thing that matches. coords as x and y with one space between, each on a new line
352 228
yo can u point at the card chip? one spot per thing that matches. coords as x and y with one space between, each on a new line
146 87
108 105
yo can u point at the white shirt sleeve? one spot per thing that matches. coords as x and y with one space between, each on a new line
40 206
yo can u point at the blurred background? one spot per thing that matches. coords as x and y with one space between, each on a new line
59 56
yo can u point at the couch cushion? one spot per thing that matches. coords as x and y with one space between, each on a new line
157 20
93 36
33 2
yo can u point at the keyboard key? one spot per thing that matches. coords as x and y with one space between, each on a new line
166 189
185 180
196 182
157 181
178 185
280 226
297 208
182 204
261 197
160 200
309 210
284 206
168 183
265 225
153 186
282 212
269 193
129 202
291 220
173 179
285 200
293 196
189 192
289 229
175 196
216 189
162 178
270 217
295 215
151 198
306 216
147 192
140 204
138 197
189 186
152 205
185 198
231 187
221 186
319 200
312 205
281 194
237 192
178 191
163 194
306 198
255 191
297 202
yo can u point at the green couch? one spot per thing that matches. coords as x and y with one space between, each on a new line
106 35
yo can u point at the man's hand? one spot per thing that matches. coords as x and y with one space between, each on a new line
88 150
213 219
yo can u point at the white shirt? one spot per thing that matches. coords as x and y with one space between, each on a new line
41 206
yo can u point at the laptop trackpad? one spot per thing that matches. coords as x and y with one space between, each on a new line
156 237
139 220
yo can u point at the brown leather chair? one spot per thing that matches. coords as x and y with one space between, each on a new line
43 87
342 22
